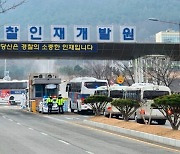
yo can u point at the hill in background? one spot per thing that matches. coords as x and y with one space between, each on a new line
93 12
86 12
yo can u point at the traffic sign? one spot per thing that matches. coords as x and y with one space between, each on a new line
120 79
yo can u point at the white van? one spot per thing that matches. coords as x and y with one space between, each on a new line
145 93
115 91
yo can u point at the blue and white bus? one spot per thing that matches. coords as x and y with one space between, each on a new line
80 88
13 91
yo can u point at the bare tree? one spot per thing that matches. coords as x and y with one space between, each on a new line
158 69
110 71
100 70
125 70
161 71
5 5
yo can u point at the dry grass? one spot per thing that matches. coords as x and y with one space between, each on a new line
152 129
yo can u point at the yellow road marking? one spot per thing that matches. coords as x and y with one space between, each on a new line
122 136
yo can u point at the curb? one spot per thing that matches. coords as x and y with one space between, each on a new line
151 137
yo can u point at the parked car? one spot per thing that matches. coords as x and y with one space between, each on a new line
43 107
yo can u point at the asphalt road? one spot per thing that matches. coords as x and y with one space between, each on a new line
23 132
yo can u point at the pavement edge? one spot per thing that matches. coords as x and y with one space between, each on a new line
155 138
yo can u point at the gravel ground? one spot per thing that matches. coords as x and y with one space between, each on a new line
152 129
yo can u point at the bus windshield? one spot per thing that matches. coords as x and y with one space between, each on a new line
101 92
133 94
94 85
151 94
116 93
13 85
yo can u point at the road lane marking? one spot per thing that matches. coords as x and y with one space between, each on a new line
122 136
54 118
18 123
63 142
43 133
130 138
89 152
68 118
30 128
4 117
10 119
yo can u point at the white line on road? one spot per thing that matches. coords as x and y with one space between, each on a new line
43 133
30 128
89 152
63 142
77 118
131 138
54 118
18 123
68 118
4 117
10 119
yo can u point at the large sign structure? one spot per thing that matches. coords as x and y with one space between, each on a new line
59 33
47 47
95 51
82 46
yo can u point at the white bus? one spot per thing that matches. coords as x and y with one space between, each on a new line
13 91
80 88
145 93
115 91
102 90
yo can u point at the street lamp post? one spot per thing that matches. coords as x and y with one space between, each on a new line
169 22
175 23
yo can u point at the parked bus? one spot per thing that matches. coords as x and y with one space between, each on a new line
145 93
115 91
80 88
13 91
102 90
